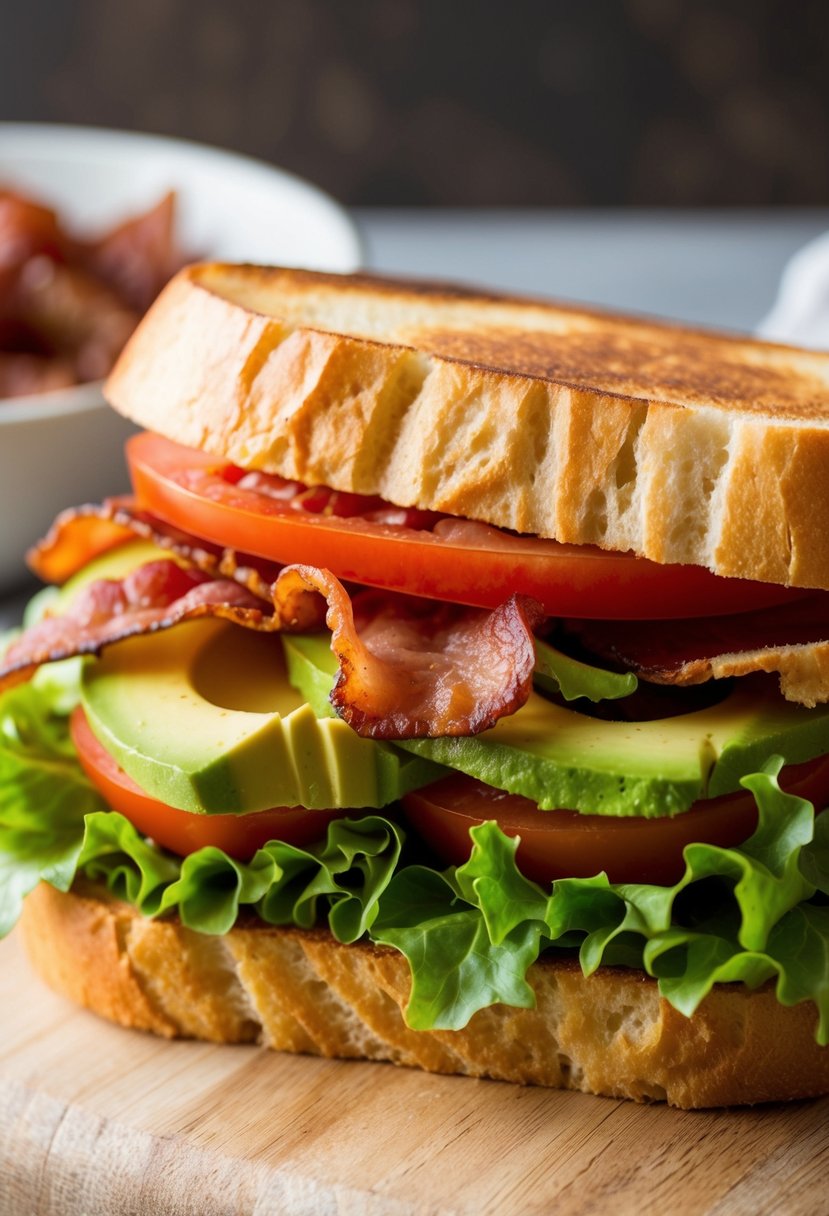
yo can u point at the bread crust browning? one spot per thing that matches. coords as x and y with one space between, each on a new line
680 445
301 991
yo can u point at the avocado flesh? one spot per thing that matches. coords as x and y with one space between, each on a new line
561 758
204 718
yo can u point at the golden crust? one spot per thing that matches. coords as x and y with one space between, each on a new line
681 445
301 991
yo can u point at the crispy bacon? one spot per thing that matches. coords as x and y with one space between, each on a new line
83 533
139 255
410 668
73 314
156 596
27 230
792 640
321 500
22 373
77 536
67 305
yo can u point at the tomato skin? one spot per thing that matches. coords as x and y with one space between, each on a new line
553 844
180 831
197 492
566 844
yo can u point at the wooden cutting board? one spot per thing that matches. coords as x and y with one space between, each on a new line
98 1121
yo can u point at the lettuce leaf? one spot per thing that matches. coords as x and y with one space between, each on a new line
340 879
742 914
455 970
44 797
557 672
755 913
469 934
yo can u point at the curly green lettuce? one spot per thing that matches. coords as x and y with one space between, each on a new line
752 914
44 795
470 933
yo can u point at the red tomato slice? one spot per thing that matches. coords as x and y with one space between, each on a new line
181 832
565 844
200 494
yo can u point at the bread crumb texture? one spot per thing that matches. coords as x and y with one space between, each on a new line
301 991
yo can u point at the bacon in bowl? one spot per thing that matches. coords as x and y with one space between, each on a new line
67 303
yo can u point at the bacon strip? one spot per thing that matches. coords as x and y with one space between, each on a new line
67 306
75 538
792 640
415 669
156 596
83 533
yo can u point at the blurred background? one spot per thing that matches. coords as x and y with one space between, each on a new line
423 102
664 156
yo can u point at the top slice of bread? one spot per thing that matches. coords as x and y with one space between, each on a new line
680 445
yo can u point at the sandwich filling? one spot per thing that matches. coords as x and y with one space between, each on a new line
468 745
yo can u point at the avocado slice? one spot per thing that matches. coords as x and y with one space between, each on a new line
562 758
203 717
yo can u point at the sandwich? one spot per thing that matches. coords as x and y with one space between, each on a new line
452 689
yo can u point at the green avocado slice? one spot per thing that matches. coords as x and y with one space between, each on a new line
562 758
203 717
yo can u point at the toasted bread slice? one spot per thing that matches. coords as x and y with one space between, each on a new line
680 445
301 991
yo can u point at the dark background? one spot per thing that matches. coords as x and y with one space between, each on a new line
539 102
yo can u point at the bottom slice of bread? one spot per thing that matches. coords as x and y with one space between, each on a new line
301 991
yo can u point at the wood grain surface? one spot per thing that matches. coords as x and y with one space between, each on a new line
98 1121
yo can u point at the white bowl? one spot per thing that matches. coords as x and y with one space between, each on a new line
62 448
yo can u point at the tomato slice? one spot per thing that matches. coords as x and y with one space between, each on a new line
180 831
565 844
553 844
202 495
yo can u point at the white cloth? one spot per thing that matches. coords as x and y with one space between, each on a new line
801 311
